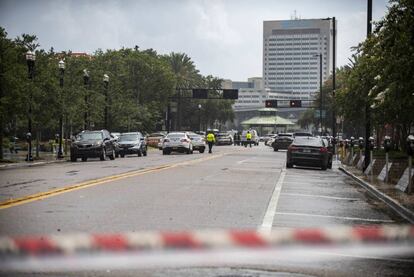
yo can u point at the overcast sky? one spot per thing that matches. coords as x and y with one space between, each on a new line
224 38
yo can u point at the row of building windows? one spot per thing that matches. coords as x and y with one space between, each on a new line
290 63
296 38
290 59
292 49
285 44
292 68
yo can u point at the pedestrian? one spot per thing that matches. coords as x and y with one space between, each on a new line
210 140
249 139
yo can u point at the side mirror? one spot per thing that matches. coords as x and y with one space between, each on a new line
142 138
105 139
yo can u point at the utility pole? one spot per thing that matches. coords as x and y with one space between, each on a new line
333 81
320 88
367 108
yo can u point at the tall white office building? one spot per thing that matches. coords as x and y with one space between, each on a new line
290 61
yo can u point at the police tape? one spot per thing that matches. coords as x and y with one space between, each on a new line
70 244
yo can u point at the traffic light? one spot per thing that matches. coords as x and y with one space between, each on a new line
200 93
295 103
271 103
230 94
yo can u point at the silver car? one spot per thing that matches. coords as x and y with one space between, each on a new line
177 142
199 143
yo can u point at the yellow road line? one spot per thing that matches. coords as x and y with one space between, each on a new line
46 194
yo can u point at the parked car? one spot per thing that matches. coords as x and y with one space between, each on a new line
92 144
223 138
132 143
199 142
255 137
154 138
178 142
270 141
282 141
308 151
115 136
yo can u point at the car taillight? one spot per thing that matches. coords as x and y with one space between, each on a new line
323 149
184 140
166 140
292 148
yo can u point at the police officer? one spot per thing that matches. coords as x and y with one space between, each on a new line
249 139
210 140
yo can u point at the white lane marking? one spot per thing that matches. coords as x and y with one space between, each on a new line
337 217
271 208
242 161
319 196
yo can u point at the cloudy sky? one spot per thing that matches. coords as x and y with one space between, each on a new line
223 37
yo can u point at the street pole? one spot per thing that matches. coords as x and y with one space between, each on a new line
30 58
199 117
106 83
86 84
62 72
333 82
367 108
320 88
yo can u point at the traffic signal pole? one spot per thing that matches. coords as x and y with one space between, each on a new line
367 111
320 88
333 81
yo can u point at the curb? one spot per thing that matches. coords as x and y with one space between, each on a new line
29 164
393 204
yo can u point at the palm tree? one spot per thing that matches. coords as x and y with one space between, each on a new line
184 69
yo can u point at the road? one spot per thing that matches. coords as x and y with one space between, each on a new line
233 188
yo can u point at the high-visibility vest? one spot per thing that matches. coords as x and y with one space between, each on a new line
248 136
210 137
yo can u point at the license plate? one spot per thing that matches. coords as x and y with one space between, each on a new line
306 151
174 148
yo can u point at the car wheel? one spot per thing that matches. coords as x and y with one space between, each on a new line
164 152
201 150
73 158
324 166
122 155
289 165
275 149
103 155
84 159
112 156
116 155
144 153
139 154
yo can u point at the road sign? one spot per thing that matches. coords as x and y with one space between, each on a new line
200 93
230 94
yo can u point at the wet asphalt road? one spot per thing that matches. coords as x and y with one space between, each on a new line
234 188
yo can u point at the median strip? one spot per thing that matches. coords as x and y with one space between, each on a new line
46 194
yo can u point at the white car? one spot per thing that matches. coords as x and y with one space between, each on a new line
177 142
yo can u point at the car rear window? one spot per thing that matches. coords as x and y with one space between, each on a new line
177 135
128 137
284 135
308 141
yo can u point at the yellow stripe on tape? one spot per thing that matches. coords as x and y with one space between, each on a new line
46 194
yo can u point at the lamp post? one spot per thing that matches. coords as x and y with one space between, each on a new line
30 58
106 83
199 117
320 87
62 72
86 82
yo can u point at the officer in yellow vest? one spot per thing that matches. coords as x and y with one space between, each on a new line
210 140
249 138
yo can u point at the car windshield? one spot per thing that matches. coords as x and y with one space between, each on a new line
308 141
129 137
176 135
284 135
90 136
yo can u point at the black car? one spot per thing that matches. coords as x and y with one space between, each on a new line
282 141
132 143
309 151
92 144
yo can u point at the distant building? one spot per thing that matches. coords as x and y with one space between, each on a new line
290 64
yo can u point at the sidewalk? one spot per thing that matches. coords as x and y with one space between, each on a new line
12 160
401 202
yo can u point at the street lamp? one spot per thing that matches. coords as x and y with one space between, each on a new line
30 58
86 83
106 83
320 87
199 117
62 72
